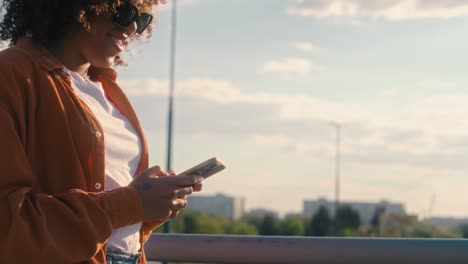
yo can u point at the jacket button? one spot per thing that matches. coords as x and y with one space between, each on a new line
97 186
98 134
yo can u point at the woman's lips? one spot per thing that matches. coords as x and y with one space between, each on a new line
117 43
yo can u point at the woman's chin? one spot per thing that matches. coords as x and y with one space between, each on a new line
104 62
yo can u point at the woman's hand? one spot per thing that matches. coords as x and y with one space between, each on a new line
196 187
163 197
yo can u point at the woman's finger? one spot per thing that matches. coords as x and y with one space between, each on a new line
197 187
163 173
174 214
181 192
178 204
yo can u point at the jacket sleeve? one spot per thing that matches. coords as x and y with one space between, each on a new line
39 228
148 227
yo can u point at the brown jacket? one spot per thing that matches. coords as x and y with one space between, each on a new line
53 207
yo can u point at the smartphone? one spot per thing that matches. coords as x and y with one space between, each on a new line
206 168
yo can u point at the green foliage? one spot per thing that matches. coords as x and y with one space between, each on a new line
253 220
348 232
199 223
241 228
347 217
292 226
463 228
320 224
422 231
395 225
191 224
203 224
196 223
269 226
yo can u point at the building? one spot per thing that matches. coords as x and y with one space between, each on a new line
446 221
220 205
365 210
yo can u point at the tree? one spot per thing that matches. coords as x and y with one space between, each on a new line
347 217
254 220
375 221
464 230
423 231
269 226
320 224
191 224
292 226
209 224
241 228
197 223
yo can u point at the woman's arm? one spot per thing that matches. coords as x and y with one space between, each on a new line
40 228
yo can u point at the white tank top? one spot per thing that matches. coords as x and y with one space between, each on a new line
122 151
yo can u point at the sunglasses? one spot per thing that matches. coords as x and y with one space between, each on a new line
127 13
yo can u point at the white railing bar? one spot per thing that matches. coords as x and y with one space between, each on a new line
310 250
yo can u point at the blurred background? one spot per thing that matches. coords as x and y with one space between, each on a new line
333 117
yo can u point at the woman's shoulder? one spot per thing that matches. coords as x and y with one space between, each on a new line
15 59
19 72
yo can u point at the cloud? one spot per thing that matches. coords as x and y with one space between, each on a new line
430 131
390 148
181 3
397 139
287 66
302 46
390 10
292 144
212 90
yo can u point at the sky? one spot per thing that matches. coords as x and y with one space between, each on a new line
258 84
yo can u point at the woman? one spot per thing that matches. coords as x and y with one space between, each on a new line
74 184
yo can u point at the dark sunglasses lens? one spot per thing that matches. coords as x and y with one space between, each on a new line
143 22
125 15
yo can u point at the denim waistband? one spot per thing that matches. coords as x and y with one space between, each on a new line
116 256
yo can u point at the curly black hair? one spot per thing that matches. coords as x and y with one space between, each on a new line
48 20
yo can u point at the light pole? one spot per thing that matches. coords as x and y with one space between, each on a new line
337 127
171 93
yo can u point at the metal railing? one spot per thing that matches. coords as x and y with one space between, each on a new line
291 250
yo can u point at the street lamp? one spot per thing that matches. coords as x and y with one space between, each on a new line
171 94
337 127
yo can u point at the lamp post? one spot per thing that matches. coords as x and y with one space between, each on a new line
337 127
171 94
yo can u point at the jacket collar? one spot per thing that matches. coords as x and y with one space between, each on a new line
51 63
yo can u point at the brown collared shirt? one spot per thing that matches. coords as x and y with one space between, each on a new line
53 207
